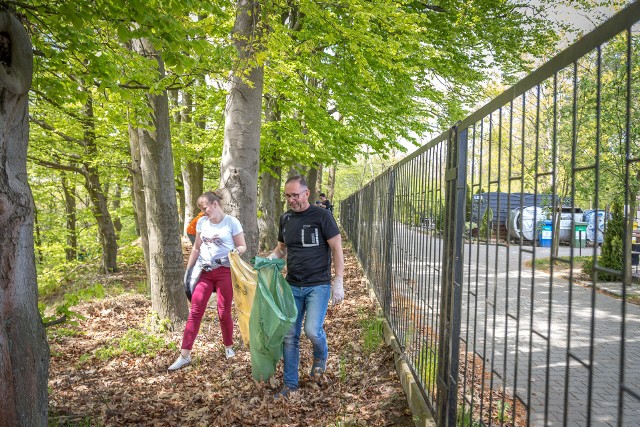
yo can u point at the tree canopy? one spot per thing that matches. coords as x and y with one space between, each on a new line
341 79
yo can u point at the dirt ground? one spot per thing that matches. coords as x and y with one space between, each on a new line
108 371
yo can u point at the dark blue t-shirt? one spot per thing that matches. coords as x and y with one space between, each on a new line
308 254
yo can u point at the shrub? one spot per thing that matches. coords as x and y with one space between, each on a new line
486 224
587 267
131 254
612 255
71 299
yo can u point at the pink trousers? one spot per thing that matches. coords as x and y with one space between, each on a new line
220 280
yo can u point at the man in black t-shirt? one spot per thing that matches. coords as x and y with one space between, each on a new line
309 237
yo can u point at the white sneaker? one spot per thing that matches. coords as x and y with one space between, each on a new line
228 351
179 363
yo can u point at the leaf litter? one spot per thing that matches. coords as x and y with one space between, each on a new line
360 387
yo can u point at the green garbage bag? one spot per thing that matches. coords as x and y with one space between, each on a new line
272 314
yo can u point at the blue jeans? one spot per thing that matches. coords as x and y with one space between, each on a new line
312 300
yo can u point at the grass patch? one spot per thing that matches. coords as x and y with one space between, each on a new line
136 342
428 362
143 288
64 421
63 277
85 358
371 333
465 419
342 368
545 263
504 411
62 332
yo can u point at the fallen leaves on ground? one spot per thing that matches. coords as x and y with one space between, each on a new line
360 388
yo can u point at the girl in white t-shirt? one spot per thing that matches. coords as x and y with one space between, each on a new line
216 235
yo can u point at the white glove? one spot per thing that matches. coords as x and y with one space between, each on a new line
337 290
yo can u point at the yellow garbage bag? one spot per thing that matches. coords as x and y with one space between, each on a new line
245 280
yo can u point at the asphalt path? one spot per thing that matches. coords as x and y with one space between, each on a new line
551 339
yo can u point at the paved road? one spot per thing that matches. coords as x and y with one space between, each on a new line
555 343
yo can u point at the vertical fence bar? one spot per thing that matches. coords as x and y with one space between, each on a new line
460 189
627 241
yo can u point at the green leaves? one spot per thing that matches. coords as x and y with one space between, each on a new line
370 73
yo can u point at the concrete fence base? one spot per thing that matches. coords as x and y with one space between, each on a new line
421 415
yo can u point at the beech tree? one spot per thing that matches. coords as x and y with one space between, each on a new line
24 353
241 151
156 163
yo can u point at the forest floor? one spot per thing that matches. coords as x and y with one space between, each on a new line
111 369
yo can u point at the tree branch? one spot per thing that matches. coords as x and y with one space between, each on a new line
57 166
55 104
62 135
56 322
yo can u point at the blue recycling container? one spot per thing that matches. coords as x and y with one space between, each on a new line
546 233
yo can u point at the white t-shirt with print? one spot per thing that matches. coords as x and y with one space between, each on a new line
217 239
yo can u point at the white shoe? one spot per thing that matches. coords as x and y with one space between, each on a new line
228 351
179 363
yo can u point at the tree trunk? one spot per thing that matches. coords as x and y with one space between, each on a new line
165 250
137 195
270 201
331 184
71 248
192 176
24 352
192 171
312 178
270 208
241 150
99 208
174 97
106 230
115 205
319 180
296 169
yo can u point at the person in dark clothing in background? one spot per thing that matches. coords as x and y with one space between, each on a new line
326 203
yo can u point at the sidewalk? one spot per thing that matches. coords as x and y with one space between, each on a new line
612 288
615 289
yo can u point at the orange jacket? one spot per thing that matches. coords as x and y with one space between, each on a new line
191 228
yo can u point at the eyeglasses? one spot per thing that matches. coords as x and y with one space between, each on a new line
293 196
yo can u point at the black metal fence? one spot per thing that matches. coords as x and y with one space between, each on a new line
499 317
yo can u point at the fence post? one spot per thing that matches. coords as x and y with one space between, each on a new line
452 261
388 242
